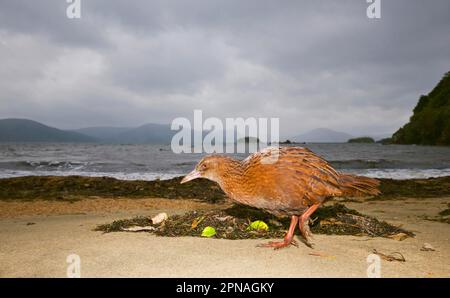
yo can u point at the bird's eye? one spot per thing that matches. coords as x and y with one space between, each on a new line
203 166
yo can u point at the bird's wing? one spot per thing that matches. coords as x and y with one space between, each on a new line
292 173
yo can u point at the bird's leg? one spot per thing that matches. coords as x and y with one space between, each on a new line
288 239
304 221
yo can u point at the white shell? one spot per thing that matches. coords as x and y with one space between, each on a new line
139 229
427 247
157 219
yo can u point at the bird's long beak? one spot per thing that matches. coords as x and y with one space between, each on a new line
191 176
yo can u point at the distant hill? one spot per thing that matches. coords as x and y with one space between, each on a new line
23 130
103 133
380 136
385 141
248 140
361 140
430 122
323 135
146 134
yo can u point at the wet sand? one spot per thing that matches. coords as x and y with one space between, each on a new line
36 237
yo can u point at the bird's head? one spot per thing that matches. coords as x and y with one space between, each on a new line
210 167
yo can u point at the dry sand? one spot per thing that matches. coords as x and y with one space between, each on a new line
58 229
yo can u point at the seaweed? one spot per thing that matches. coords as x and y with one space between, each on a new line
73 188
118 225
445 212
233 223
413 188
443 216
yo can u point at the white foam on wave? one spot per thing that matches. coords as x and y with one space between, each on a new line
398 174
149 176
117 175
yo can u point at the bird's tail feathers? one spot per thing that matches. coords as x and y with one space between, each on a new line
352 185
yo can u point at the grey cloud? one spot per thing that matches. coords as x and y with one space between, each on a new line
175 61
311 63
48 18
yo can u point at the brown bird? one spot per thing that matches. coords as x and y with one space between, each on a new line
285 181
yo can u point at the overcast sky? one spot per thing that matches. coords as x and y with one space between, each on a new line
310 63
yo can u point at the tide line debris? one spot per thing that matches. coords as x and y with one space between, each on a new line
236 223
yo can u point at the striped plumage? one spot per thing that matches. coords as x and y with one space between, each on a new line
285 181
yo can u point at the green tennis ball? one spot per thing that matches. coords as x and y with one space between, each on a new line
208 232
258 225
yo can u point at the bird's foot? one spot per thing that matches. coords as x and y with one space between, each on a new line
279 244
307 235
306 231
307 242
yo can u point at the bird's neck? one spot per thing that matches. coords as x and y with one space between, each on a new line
230 177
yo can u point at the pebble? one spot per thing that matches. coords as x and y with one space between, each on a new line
399 236
427 247
157 219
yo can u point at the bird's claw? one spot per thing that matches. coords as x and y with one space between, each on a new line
279 244
294 243
308 243
305 231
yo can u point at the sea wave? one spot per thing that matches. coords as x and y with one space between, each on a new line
36 165
396 174
399 174
338 164
117 175
151 170
385 164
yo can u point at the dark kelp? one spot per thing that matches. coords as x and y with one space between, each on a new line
73 188
443 216
233 223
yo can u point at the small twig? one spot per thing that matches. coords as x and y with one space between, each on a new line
390 257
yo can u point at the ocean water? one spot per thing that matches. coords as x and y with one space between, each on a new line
149 162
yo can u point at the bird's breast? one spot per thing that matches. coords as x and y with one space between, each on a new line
278 205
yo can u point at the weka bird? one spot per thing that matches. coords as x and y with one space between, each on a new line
285 181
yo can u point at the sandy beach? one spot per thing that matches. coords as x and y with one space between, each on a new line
36 237
224 139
